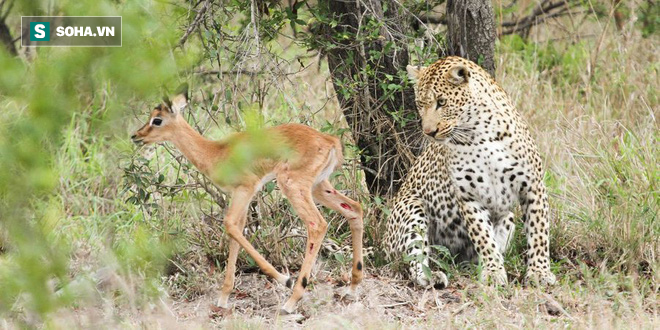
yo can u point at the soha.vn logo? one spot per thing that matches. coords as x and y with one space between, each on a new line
40 31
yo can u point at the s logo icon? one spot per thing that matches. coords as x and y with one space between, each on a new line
39 31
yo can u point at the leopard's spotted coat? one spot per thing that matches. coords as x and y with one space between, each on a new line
462 190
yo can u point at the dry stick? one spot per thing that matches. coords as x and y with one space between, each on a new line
396 304
462 308
563 12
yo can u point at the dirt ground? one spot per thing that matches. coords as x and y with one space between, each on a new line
382 303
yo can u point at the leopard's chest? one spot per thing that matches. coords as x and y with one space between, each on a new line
489 173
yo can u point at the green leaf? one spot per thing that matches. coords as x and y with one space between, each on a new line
427 272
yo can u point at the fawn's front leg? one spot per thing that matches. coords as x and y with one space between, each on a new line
230 268
234 224
300 196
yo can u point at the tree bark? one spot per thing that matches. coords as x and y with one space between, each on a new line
385 129
471 31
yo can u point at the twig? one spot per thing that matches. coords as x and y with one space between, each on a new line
396 304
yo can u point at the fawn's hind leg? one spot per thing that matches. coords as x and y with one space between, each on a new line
329 197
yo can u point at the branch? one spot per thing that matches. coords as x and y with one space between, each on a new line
433 19
528 24
540 14
2 4
5 35
232 72
195 23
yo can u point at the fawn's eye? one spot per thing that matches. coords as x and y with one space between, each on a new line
441 102
156 121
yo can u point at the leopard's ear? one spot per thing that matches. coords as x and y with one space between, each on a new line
414 72
458 74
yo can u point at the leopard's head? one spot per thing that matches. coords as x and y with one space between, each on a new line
441 94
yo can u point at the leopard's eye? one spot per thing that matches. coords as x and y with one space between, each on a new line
441 102
156 121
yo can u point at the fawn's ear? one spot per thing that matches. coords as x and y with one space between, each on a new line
167 104
458 74
179 101
414 72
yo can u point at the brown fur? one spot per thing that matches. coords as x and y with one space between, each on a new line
302 177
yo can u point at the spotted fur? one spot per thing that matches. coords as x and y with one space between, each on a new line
462 190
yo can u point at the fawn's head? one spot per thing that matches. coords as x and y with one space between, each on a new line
163 120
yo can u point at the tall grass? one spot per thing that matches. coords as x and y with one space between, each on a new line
598 134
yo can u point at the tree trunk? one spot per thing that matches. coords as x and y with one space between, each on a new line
385 126
471 31
363 62
6 38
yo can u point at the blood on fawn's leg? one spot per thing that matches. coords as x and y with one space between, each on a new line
345 206
311 247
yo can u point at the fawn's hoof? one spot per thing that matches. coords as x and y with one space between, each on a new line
290 282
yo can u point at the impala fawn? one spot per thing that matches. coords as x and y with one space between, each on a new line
302 178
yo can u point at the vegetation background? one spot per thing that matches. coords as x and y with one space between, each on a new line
94 232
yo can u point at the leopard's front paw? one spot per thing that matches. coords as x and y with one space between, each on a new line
540 277
495 275
438 279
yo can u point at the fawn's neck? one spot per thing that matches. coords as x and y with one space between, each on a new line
200 151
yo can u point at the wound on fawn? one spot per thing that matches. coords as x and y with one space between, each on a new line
311 247
344 205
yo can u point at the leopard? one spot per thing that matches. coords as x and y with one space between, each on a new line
480 162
